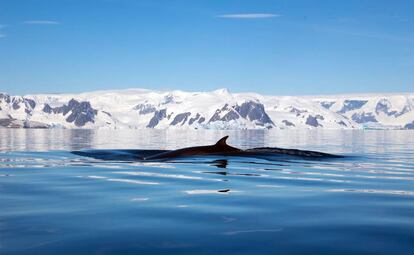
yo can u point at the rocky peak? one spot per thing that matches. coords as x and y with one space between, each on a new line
350 105
145 108
384 106
255 112
313 120
5 98
158 116
80 112
181 118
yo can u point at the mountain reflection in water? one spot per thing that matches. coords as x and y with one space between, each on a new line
57 202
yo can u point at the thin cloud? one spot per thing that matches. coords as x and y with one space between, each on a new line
249 16
41 22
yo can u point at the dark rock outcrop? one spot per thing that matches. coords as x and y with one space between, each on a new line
288 123
230 115
170 99
107 113
342 123
254 111
327 104
5 98
192 120
197 118
80 112
313 120
297 111
248 110
47 109
350 105
384 106
409 125
319 117
16 103
145 108
363 117
30 102
180 118
158 116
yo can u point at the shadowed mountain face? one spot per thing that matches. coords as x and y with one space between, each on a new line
385 106
313 120
350 105
145 108
180 118
79 112
409 125
251 111
255 112
363 117
158 116
141 109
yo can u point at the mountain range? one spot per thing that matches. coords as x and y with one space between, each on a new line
219 109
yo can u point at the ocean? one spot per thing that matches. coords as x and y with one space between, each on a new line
56 202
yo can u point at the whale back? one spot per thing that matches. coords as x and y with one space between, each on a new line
220 147
222 141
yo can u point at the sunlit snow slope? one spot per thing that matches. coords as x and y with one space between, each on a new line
220 109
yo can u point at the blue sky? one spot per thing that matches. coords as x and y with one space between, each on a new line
287 47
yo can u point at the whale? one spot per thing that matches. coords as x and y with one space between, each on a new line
219 148
217 151
223 149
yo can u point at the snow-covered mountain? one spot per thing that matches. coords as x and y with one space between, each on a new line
219 109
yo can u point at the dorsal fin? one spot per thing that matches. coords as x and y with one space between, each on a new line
222 141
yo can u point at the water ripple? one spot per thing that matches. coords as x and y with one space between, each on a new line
375 191
53 200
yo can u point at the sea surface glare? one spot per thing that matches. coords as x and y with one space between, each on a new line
55 202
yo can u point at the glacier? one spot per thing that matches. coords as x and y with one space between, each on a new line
219 109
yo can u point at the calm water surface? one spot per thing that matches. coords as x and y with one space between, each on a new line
55 202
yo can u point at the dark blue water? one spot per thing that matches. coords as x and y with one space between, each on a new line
55 202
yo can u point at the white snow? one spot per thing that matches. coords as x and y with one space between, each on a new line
116 109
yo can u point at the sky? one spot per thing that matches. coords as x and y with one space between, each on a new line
275 47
